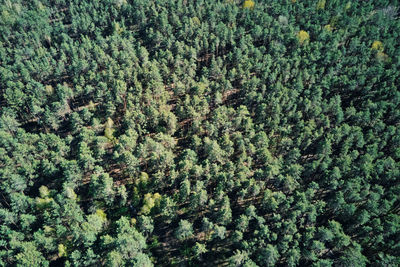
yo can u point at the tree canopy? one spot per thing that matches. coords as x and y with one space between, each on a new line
189 133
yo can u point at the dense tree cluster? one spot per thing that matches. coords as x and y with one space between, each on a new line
168 132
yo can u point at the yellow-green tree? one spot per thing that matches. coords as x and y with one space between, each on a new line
109 131
149 202
303 37
62 250
321 4
378 46
248 4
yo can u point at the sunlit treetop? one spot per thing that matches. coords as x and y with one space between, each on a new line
380 56
377 45
303 36
328 28
248 4
321 4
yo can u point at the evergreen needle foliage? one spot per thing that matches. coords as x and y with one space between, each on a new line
195 133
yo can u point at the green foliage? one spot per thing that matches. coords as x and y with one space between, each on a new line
29 255
199 249
62 252
321 4
145 224
269 255
149 202
184 230
44 192
190 133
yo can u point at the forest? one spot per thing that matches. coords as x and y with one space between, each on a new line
200 133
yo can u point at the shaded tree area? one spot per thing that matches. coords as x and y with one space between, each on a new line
184 133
